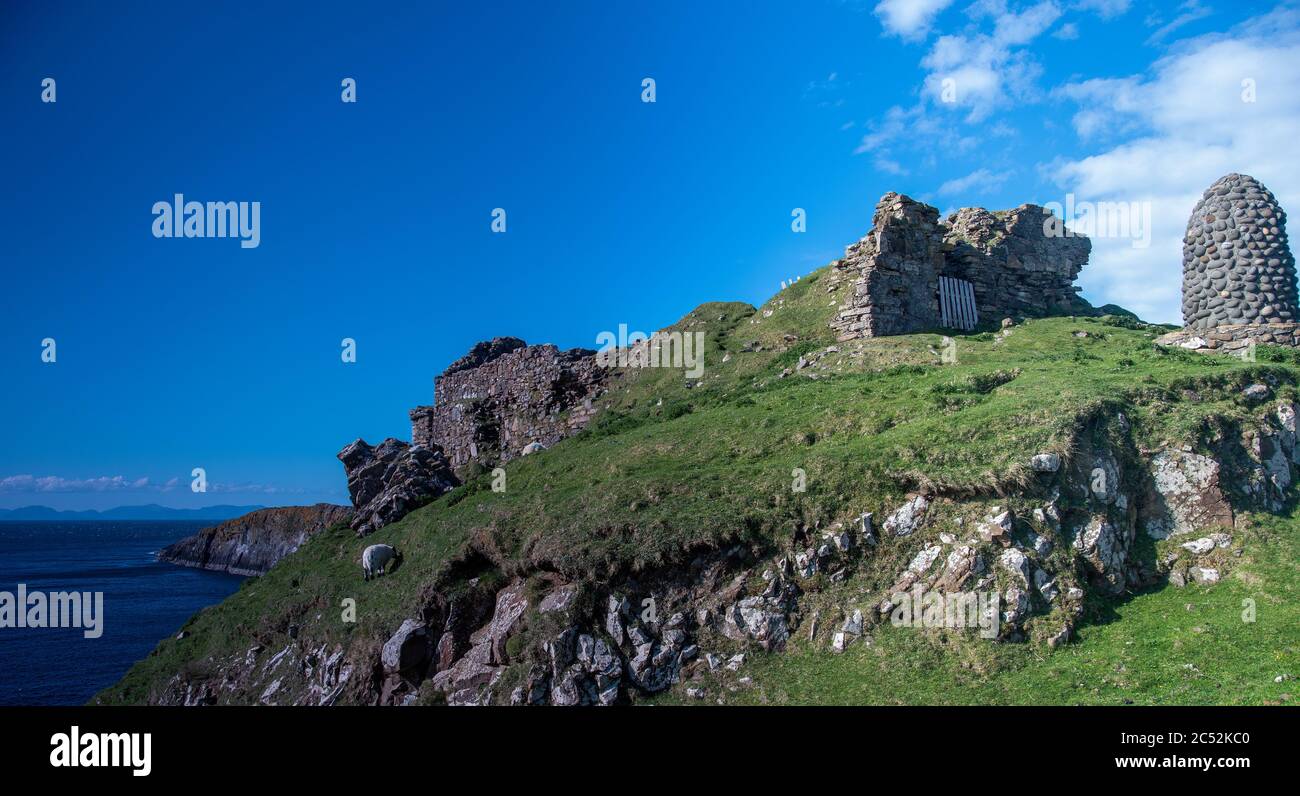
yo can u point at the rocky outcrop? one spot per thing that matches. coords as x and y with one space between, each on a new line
253 543
1015 267
504 396
389 480
1186 495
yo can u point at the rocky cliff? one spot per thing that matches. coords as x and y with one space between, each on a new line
253 543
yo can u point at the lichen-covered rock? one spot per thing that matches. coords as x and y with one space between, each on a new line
1045 462
1015 563
963 565
1105 545
925 559
908 517
760 619
1187 495
468 681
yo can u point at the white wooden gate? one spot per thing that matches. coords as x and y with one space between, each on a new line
957 304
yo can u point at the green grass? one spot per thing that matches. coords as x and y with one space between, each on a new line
672 466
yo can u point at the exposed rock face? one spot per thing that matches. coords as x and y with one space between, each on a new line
1015 268
465 681
389 480
1187 496
1237 266
503 396
251 544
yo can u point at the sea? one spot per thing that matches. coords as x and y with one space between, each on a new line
144 601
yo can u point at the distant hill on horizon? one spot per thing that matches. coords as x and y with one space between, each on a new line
151 511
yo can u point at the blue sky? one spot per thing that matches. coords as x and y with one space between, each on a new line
375 215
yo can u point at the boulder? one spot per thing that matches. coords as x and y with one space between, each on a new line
1045 463
923 560
908 517
1256 393
511 603
1014 561
758 619
998 527
963 564
408 650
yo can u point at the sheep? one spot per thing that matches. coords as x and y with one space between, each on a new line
376 557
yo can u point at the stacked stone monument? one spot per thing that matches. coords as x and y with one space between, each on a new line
1239 281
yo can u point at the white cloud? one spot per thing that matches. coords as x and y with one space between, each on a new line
981 180
910 20
1192 127
984 72
1106 105
1017 29
1067 32
54 483
1191 11
916 128
250 488
890 167
30 484
1107 9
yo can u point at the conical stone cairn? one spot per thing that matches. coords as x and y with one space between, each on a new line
1237 266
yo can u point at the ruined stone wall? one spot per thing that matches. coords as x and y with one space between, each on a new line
896 269
504 395
1015 268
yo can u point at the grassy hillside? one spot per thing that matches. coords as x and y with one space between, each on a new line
673 466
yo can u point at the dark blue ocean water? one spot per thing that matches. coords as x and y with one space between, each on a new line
144 602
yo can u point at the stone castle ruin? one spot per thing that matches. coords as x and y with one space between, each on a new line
913 272
1239 279
505 395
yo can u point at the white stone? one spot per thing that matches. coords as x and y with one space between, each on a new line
1045 462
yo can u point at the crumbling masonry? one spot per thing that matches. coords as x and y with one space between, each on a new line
504 395
1015 268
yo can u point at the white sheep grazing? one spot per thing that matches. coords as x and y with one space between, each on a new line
376 557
